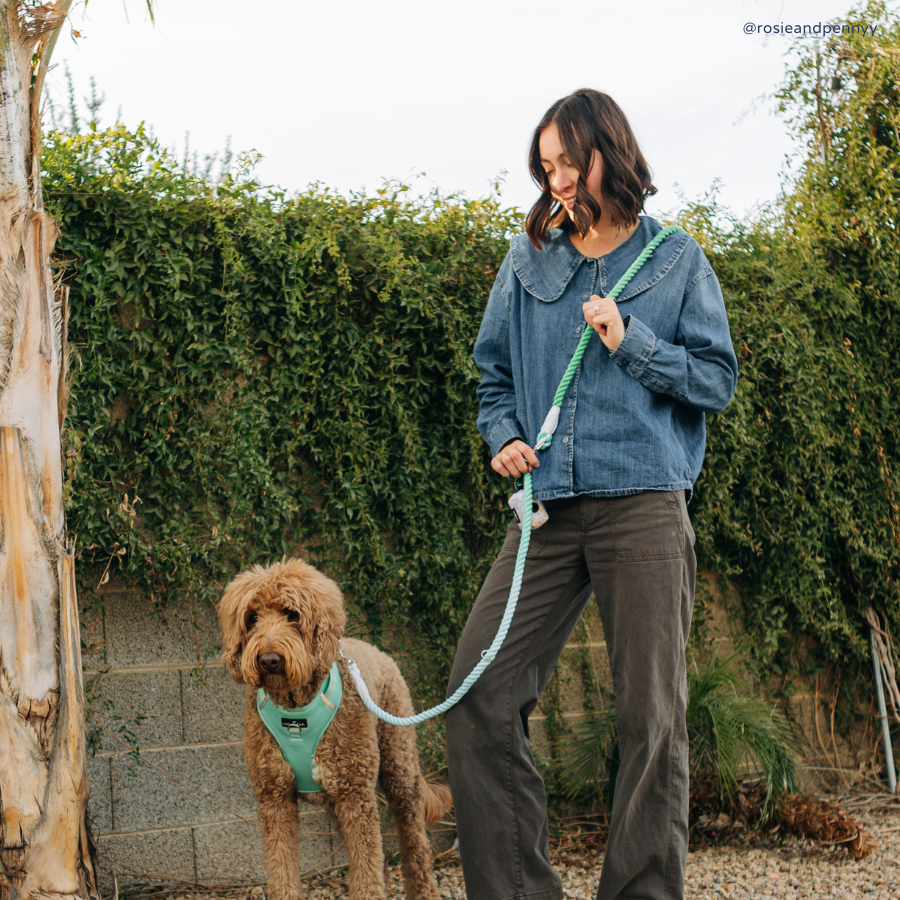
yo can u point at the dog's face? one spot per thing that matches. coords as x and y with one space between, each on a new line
280 625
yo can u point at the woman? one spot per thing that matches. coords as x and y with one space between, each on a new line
615 481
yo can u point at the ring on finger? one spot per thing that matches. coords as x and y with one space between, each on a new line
596 310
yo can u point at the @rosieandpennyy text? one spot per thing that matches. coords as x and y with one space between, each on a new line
817 29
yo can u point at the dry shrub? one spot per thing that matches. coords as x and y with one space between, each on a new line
804 817
826 823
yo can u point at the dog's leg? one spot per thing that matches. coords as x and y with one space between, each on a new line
406 793
360 827
276 806
328 806
279 824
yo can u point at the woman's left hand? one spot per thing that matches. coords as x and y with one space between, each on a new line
602 314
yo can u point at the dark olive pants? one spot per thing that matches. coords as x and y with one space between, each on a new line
636 553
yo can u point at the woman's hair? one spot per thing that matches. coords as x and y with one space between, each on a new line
589 120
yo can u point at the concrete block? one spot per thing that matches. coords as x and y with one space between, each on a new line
100 802
232 851
571 679
317 841
442 836
90 615
571 683
138 633
229 853
137 858
540 743
148 799
601 670
591 619
339 856
213 707
122 697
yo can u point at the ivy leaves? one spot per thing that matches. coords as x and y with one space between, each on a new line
276 374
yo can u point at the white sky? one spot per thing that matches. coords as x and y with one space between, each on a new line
350 92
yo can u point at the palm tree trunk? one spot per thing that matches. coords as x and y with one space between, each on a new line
44 844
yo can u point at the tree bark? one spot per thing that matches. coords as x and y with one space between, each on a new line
45 848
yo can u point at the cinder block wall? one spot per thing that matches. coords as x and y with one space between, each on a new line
191 730
145 682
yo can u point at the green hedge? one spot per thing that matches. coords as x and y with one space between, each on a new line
260 372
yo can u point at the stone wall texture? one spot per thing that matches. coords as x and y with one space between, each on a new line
183 807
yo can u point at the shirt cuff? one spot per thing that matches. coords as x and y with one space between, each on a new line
504 432
636 348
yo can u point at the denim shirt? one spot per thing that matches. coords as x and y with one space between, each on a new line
633 419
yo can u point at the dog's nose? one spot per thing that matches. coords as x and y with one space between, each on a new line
269 662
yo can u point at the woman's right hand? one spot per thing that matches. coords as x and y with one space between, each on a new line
515 459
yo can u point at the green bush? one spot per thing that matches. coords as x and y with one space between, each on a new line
732 736
259 372
799 485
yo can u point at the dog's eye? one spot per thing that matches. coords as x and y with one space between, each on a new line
251 620
292 615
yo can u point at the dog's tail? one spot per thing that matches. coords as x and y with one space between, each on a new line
437 801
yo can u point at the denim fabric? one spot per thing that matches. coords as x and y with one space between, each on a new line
633 419
637 554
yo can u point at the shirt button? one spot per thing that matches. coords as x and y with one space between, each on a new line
565 440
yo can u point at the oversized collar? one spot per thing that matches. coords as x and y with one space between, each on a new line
546 273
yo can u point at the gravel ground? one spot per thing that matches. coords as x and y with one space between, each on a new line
752 867
738 867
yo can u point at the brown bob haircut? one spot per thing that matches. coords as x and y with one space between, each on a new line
589 120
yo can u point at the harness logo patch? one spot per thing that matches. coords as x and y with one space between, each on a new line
294 726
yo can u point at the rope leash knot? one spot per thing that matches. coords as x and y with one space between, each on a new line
544 440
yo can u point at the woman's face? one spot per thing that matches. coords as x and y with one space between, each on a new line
562 175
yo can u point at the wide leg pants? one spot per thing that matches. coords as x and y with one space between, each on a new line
636 553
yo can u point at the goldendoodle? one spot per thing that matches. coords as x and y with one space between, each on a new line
281 629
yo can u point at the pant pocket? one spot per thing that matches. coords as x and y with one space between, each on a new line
686 517
647 526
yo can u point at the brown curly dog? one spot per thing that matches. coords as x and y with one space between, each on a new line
281 627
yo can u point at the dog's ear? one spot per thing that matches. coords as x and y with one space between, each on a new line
232 609
325 647
329 618
233 661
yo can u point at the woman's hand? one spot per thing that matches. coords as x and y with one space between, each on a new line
515 459
602 314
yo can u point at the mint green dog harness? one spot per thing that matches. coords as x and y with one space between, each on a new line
298 731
